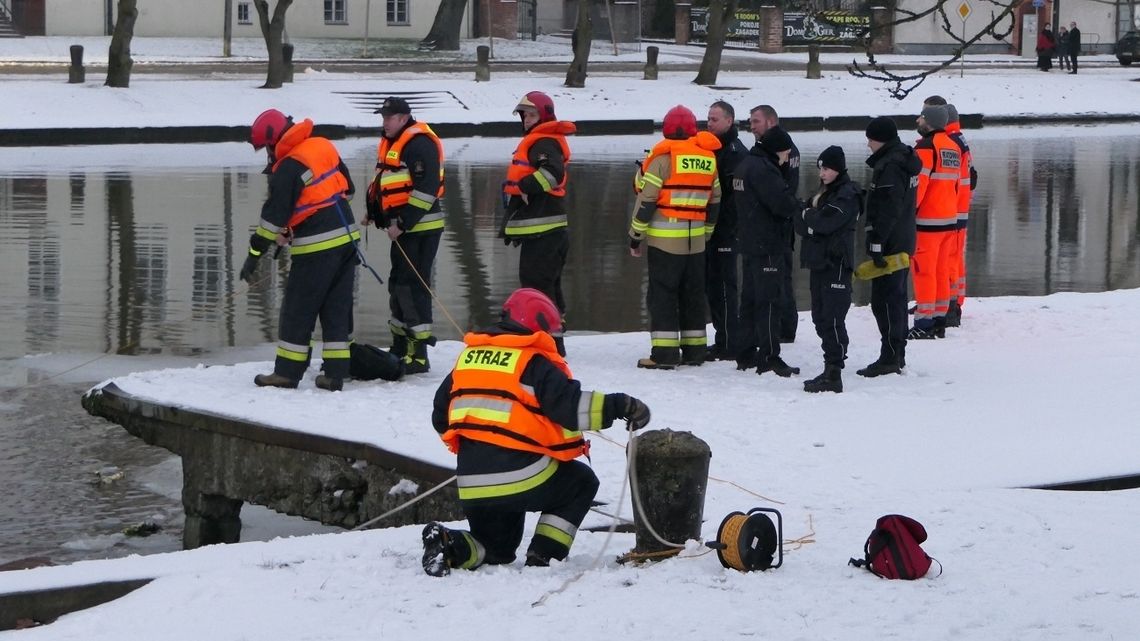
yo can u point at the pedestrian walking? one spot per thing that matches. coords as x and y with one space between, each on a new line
1045 48
534 194
890 228
721 286
1062 50
1074 49
765 205
307 209
404 200
513 414
827 251
678 200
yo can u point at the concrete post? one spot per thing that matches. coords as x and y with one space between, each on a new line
672 470
210 519
813 69
482 63
681 23
883 40
76 73
651 62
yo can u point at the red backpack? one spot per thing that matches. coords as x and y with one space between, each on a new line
893 551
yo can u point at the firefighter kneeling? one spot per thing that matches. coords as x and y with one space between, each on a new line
514 415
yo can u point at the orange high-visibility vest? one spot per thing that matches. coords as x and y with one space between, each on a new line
686 192
395 180
965 186
937 199
490 404
324 183
520 162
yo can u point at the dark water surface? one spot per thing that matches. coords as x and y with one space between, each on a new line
134 250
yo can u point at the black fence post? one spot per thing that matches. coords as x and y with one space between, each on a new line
76 73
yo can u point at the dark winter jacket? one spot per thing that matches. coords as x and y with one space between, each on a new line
421 157
286 183
764 205
731 152
828 228
546 154
1074 42
890 198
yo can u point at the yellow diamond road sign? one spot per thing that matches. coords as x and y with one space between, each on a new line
964 10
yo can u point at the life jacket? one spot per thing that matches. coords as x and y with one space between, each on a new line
686 192
938 182
966 177
489 403
395 179
520 162
324 183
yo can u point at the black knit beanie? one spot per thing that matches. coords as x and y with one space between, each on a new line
833 158
882 129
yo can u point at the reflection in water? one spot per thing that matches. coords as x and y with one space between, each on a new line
143 259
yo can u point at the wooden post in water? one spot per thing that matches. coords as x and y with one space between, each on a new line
671 471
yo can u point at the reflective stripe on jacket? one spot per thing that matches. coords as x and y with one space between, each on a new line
489 403
685 192
395 179
937 199
526 222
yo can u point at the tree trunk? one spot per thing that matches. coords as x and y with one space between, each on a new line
583 36
119 55
444 34
273 31
720 12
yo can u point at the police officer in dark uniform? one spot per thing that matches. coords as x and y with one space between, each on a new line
307 209
827 250
404 199
765 205
890 226
721 285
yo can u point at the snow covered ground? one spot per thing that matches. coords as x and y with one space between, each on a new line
186 100
1030 391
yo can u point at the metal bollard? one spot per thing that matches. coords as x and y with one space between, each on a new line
76 73
672 472
482 63
651 63
287 55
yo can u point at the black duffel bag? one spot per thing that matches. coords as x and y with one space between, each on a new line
368 363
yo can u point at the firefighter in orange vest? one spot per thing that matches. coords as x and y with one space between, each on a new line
968 178
678 198
936 221
307 209
514 415
404 199
534 194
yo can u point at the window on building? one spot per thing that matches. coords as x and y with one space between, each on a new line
397 11
336 11
243 13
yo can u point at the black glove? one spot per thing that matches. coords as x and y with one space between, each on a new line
248 267
634 243
635 413
875 251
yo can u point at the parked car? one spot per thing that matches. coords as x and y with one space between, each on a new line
1128 48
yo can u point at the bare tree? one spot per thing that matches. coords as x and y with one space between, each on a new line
580 41
721 13
1002 23
119 54
444 33
273 31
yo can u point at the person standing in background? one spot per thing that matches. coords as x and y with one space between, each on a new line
1074 45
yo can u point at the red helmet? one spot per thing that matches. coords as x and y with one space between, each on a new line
539 102
679 123
268 128
533 310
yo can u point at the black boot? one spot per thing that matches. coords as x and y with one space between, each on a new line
940 327
436 540
880 367
329 383
416 362
746 360
954 314
776 365
694 355
830 380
